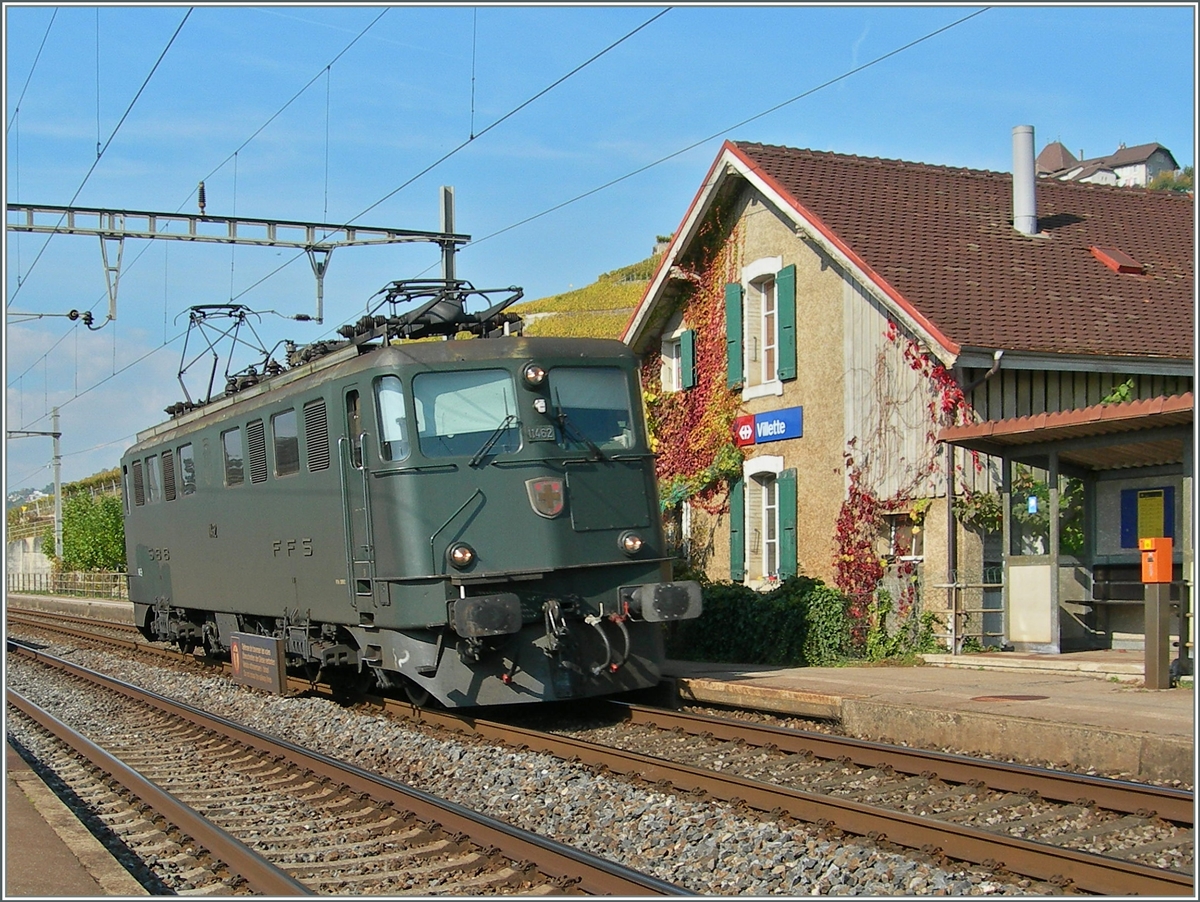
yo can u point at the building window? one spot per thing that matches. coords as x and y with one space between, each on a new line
672 372
677 530
905 537
763 529
763 513
760 324
767 340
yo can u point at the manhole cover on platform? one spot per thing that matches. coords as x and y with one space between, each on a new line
1009 698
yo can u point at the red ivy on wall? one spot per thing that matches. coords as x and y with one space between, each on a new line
692 431
858 566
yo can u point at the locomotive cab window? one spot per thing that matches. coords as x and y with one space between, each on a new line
286 442
592 405
465 413
187 469
235 466
393 426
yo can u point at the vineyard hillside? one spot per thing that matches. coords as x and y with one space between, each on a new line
599 310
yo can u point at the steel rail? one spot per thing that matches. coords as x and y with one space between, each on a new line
558 861
259 873
1091 873
1176 805
23 615
138 644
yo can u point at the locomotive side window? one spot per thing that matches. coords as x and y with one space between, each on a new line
139 485
256 441
354 427
127 494
168 464
287 443
231 446
153 480
592 404
316 435
462 413
393 425
187 468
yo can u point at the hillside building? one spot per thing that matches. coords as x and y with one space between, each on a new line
821 324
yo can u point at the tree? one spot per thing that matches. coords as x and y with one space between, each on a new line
1181 180
93 533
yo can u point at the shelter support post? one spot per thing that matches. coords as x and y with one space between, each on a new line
1158 636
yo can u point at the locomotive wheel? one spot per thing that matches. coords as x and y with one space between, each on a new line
416 694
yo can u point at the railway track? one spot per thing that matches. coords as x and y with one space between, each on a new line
1085 832
278 819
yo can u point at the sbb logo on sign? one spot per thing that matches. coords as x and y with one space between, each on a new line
743 431
774 426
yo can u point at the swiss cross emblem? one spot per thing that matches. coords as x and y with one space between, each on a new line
545 495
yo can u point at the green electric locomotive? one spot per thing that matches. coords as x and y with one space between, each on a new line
473 521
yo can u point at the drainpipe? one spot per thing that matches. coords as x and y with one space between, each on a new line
952 521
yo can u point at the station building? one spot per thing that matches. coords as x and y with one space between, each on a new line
969 389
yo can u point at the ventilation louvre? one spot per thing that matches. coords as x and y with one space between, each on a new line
316 435
256 439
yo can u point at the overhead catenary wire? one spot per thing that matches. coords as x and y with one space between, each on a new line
100 151
727 129
32 69
231 156
464 144
579 197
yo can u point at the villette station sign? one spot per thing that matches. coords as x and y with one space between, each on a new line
775 426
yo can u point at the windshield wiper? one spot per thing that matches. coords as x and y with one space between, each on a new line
493 438
575 435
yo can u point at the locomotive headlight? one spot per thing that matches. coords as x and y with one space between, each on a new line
461 555
534 374
631 543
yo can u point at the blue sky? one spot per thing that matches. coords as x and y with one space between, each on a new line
419 82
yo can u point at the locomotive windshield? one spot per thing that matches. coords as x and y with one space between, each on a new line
459 412
593 408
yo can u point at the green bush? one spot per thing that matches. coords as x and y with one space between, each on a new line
801 622
93 533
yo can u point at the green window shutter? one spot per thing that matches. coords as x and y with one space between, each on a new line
687 358
785 294
737 531
733 332
788 555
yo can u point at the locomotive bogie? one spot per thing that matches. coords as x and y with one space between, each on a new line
477 519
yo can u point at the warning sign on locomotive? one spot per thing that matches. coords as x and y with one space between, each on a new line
258 661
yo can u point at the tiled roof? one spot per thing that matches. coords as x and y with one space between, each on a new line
1055 157
1127 156
943 239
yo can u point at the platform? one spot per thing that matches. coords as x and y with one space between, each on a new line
47 851
1089 712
